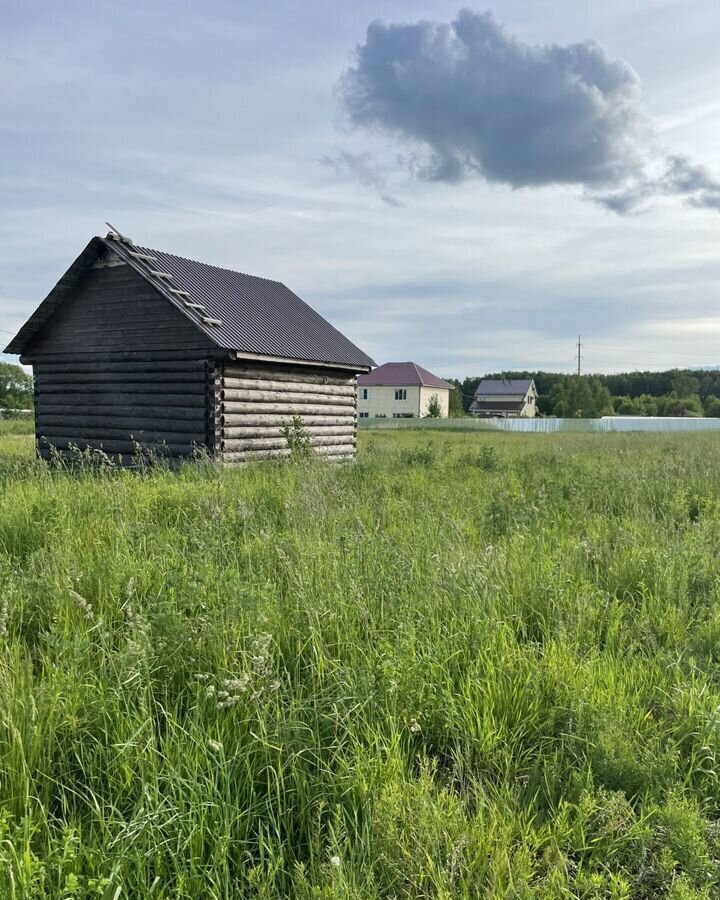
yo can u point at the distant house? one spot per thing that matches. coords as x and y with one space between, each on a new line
505 398
399 390
139 349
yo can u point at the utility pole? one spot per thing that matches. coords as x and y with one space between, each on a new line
579 356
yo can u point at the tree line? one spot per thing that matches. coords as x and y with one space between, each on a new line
675 392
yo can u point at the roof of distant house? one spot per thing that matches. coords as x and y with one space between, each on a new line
504 386
238 312
395 374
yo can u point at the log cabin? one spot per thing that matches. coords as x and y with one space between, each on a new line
136 351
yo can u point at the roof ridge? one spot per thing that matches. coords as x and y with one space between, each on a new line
417 372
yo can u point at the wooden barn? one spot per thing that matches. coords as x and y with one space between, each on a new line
135 348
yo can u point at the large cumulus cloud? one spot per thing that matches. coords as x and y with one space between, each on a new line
472 100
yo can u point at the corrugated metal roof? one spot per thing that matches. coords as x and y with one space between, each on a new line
394 374
253 315
504 386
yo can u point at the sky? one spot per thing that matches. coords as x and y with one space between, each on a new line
466 187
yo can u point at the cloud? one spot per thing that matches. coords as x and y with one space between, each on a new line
474 101
484 103
680 178
363 167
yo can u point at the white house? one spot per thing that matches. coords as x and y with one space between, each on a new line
399 390
505 398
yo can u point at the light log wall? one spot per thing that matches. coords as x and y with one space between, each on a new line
160 405
253 402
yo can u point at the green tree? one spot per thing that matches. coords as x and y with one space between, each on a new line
16 387
434 408
455 400
581 397
673 405
685 385
646 405
625 406
692 405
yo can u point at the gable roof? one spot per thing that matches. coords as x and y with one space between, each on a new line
504 386
244 313
393 374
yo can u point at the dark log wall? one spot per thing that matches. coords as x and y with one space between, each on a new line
160 405
115 309
254 401
117 367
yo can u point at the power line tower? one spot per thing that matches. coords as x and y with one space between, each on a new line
579 354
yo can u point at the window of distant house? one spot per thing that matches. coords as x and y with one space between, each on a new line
363 393
401 394
363 415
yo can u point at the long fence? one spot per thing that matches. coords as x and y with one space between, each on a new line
547 426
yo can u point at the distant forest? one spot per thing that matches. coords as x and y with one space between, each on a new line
676 392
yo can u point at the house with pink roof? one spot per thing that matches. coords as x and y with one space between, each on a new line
401 390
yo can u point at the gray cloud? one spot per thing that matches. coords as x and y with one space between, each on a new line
691 181
483 103
362 166
680 178
478 102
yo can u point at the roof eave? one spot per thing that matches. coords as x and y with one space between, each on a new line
259 357
446 386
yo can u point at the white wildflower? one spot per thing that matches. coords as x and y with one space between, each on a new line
261 643
236 685
414 726
82 604
335 861
228 701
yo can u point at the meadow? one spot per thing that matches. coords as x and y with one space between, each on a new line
468 665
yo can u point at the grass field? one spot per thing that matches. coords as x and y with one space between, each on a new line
466 666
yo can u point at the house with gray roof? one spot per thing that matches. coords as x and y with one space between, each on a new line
136 350
505 398
400 390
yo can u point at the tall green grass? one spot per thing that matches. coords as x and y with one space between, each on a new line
465 666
